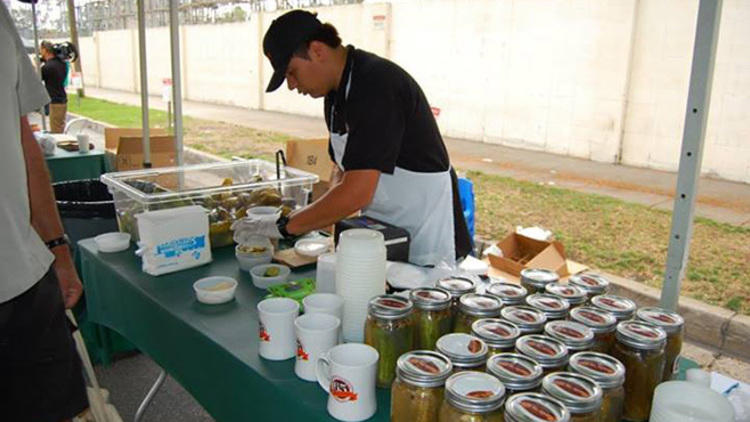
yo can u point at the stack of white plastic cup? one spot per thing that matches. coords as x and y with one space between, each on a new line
360 275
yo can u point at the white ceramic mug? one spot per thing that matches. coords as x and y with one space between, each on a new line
316 334
276 328
347 373
83 143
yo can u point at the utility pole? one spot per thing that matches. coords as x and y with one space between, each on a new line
74 39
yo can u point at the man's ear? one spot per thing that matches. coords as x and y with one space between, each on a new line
317 51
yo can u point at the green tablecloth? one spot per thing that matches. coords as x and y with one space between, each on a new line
67 165
211 350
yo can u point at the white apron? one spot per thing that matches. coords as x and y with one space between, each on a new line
421 203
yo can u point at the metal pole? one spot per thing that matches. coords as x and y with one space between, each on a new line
693 136
174 38
144 83
36 54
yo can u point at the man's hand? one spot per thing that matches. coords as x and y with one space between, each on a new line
67 276
256 225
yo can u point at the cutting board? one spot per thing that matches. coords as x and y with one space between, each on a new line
292 259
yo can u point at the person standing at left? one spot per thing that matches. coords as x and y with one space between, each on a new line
54 73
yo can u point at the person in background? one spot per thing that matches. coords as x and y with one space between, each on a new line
54 73
41 377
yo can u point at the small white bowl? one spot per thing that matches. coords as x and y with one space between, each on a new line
112 242
215 290
262 282
248 260
313 247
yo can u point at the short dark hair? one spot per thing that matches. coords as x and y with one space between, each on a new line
327 34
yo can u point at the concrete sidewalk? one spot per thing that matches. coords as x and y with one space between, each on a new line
719 200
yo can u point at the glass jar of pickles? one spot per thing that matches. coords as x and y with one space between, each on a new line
579 393
601 322
574 295
474 306
417 392
554 307
673 324
432 316
499 335
517 372
472 397
577 337
527 319
621 307
389 328
640 348
535 279
551 354
535 407
593 284
610 374
510 294
457 287
465 351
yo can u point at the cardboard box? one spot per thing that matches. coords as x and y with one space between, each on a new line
521 252
112 135
129 155
311 155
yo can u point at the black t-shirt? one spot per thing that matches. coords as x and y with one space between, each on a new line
54 73
389 123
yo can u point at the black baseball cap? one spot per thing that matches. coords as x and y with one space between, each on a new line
284 36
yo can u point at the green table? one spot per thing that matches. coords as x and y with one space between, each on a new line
72 165
211 350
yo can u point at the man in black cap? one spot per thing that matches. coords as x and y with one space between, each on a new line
391 162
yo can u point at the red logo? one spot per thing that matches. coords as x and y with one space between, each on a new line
262 333
301 354
342 390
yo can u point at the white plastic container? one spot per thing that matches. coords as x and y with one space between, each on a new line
173 239
112 242
685 401
325 273
215 290
261 281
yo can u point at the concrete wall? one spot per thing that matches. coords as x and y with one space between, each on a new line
601 80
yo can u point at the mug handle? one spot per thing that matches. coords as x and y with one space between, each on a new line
323 372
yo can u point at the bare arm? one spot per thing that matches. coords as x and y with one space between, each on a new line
354 192
44 216
336 175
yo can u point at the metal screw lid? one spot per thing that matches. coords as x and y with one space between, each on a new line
528 319
496 332
424 368
599 320
535 407
538 277
389 307
516 371
593 284
464 350
430 298
571 293
621 307
550 353
579 393
475 392
669 321
574 335
602 368
552 306
641 335
480 305
509 293
457 286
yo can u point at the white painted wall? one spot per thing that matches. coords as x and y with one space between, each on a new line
601 80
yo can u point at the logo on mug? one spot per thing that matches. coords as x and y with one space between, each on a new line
342 390
301 354
262 333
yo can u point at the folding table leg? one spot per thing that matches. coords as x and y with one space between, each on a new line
150 395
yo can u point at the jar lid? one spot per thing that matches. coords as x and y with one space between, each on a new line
389 307
535 407
667 320
457 286
579 393
593 284
550 353
527 319
621 307
464 350
602 368
571 293
473 391
516 371
480 304
553 306
599 320
424 368
430 298
641 335
538 277
496 332
573 334
509 293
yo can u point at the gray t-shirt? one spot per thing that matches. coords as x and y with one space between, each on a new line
24 258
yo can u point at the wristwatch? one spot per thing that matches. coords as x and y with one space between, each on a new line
281 226
62 240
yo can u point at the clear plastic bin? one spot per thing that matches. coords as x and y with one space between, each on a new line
226 190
